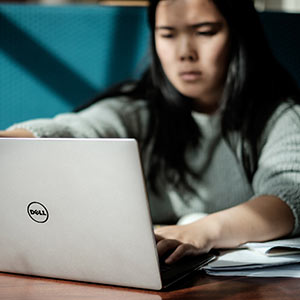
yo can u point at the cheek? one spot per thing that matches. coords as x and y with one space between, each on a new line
217 59
165 55
223 56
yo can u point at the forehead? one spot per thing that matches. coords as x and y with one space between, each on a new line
180 12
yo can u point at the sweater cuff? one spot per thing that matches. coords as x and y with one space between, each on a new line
33 130
291 198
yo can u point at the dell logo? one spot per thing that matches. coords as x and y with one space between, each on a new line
37 212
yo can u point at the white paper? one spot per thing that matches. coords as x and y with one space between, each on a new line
250 260
277 247
280 271
242 259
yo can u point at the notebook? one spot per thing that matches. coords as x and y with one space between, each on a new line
77 209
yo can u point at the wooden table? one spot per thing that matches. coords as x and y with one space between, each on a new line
196 286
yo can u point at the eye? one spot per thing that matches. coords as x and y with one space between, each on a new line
206 33
167 36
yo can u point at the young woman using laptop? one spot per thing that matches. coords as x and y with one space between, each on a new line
218 122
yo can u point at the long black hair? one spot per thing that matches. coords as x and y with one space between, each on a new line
255 85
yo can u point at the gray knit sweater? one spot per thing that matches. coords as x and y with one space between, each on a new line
223 182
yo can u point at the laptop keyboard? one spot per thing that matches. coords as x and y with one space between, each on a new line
180 269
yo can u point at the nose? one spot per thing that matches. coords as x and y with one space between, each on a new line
189 57
187 51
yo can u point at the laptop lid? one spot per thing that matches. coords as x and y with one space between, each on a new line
76 209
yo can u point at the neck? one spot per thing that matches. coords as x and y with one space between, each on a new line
208 105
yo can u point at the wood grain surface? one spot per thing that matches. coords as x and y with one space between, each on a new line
197 286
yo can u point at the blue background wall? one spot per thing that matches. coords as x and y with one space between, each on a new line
54 58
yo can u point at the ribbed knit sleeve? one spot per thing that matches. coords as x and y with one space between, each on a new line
278 170
110 118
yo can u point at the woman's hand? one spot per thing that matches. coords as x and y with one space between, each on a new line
259 219
21 133
178 241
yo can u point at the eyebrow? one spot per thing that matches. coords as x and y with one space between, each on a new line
194 26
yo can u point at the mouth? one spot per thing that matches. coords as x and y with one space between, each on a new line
190 75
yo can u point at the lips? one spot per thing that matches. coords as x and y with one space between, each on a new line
190 75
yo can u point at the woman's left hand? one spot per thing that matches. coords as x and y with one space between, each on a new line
178 241
260 219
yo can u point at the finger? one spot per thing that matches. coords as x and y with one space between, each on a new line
182 251
158 237
166 245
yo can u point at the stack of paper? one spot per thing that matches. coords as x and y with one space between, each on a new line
258 259
277 247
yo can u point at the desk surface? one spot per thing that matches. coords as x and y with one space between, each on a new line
197 286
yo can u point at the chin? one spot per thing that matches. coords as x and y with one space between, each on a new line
190 94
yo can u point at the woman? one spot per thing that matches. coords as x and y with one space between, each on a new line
217 119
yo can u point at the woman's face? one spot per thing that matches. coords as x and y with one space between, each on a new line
192 43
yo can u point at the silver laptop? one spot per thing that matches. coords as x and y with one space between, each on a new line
77 209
